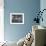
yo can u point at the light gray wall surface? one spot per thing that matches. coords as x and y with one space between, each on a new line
43 6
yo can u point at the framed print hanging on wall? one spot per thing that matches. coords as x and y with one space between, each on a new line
16 18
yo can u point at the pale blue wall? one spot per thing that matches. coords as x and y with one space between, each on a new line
43 6
28 7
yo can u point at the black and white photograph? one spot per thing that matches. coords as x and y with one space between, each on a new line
16 18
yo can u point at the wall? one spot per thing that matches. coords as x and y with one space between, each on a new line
29 8
43 6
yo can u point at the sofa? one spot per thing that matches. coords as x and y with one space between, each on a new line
39 33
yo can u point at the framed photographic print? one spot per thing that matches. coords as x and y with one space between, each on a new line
16 18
